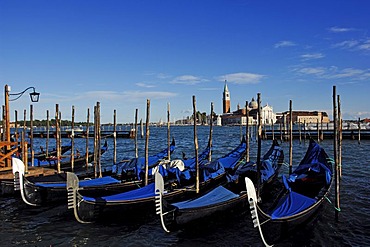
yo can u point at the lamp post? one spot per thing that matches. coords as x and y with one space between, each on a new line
34 98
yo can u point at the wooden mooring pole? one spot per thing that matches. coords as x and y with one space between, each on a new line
73 139
247 132
196 144
359 131
168 133
290 137
259 139
336 175
340 136
31 137
25 151
210 134
147 140
57 131
87 139
47 132
141 129
115 136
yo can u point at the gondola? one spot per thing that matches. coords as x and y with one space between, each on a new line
134 169
42 155
65 162
181 185
300 200
223 198
46 190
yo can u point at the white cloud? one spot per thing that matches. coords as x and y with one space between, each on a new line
340 29
312 56
242 78
284 43
348 74
363 45
312 71
188 80
347 44
146 85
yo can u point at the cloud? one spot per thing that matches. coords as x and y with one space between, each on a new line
312 71
312 56
284 43
347 44
363 45
188 80
347 73
337 74
142 84
242 78
340 29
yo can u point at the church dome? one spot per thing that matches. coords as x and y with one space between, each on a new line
253 104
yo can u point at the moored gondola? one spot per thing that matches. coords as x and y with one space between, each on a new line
178 186
304 192
223 198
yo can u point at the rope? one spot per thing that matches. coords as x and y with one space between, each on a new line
338 209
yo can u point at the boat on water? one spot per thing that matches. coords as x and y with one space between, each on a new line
46 190
40 156
303 193
179 185
134 169
79 161
222 198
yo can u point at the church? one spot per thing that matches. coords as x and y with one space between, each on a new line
238 117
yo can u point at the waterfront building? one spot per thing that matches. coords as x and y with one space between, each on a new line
304 117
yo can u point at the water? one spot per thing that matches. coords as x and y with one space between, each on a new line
21 225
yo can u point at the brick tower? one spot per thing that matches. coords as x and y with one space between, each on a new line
226 99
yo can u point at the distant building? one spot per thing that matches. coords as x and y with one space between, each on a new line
238 117
304 117
226 99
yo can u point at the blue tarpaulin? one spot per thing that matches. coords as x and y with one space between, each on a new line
141 193
83 183
217 195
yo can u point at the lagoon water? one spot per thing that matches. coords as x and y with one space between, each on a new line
22 225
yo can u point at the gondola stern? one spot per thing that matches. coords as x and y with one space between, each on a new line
72 189
252 199
159 190
18 172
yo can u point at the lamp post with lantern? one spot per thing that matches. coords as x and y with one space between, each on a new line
34 98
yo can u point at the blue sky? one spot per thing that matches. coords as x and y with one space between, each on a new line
121 53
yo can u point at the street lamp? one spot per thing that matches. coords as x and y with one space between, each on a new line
34 98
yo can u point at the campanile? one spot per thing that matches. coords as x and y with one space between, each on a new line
226 99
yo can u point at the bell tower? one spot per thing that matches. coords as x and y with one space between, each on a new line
226 99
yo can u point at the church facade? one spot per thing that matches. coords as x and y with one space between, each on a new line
239 117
